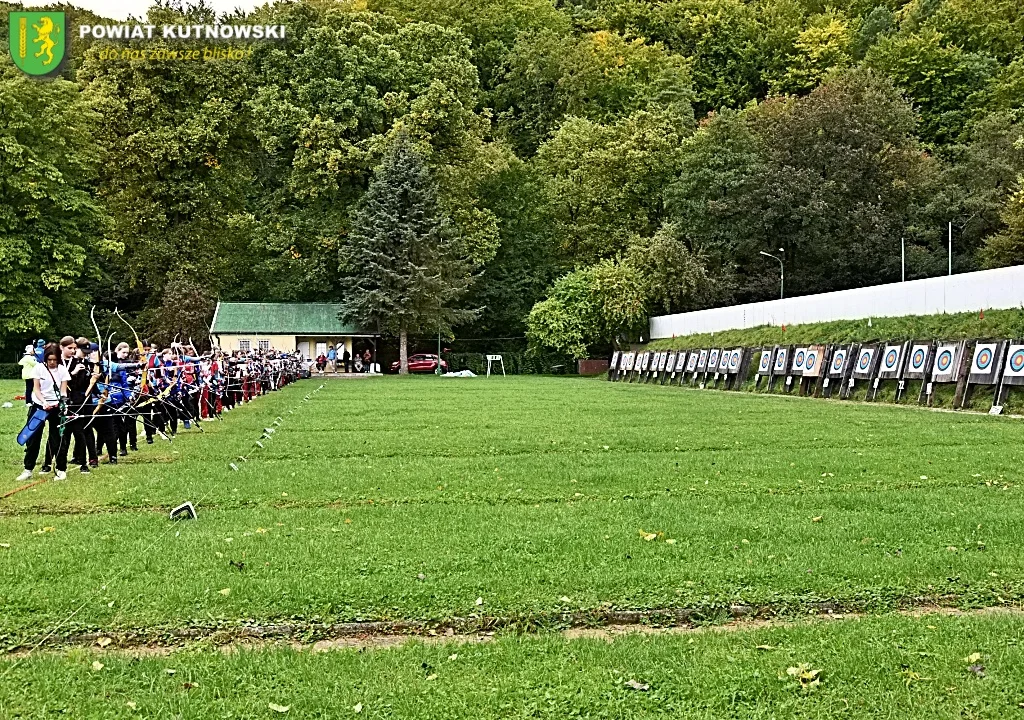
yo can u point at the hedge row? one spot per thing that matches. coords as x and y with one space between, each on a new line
516 363
959 326
10 371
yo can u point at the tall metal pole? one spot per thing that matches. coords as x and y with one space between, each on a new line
782 273
951 247
903 258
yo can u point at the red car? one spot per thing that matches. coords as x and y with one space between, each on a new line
421 363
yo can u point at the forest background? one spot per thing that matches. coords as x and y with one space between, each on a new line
598 161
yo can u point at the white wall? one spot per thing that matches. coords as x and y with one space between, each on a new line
967 292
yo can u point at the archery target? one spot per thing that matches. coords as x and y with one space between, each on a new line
945 367
864 363
680 361
630 360
702 363
986 363
812 361
917 367
1014 373
764 365
799 358
615 360
734 360
723 361
780 361
891 356
713 359
691 361
662 361
645 363
670 362
838 364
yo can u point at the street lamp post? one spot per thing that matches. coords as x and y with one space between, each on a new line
782 272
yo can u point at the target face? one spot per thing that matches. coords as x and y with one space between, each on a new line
917 359
646 362
1016 363
891 357
838 362
615 360
680 361
713 359
983 359
691 362
945 363
662 359
702 363
630 360
812 360
865 361
799 357
780 361
765 363
723 361
734 360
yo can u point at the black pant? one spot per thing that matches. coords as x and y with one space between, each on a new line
82 430
129 430
54 444
108 428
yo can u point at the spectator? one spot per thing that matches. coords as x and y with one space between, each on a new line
367 360
332 356
49 387
346 359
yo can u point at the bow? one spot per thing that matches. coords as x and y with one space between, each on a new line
142 352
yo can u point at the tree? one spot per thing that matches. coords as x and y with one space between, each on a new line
1007 247
592 306
52 229
400 271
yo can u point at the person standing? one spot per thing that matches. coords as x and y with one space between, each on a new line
83 377
346 359
332 357
49 388
367 360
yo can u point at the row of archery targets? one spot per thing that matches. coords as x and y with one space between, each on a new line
838 370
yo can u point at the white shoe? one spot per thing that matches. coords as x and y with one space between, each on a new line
60 475
25 475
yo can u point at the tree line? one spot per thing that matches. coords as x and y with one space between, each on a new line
586 162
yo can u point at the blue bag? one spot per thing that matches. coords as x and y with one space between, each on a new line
35 424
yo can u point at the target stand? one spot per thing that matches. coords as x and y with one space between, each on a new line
739 368
864 367
627 375
987 365
813 371
693 365
891 364
838 369
920 360
765 361
613 366
722 369
780 368
949 367
1013 373
678 366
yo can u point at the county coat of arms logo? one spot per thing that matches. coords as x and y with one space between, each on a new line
38 42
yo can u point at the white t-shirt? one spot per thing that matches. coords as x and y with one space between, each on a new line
48 390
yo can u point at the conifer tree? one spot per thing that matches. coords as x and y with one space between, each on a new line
402 271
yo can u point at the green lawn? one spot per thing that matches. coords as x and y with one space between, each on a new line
523 501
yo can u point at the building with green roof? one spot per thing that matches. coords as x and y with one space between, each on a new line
308 328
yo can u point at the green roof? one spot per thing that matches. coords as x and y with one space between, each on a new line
281 319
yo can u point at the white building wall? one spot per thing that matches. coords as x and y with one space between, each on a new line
968 292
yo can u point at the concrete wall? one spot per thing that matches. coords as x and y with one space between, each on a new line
967 292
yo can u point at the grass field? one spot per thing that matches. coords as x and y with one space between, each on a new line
526 504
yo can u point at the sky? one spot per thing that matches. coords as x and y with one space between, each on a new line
121 9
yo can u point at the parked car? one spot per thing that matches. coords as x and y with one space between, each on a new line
421 363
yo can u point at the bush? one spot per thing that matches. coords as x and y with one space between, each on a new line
528 362
10 371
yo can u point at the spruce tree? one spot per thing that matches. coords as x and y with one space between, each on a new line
401 270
